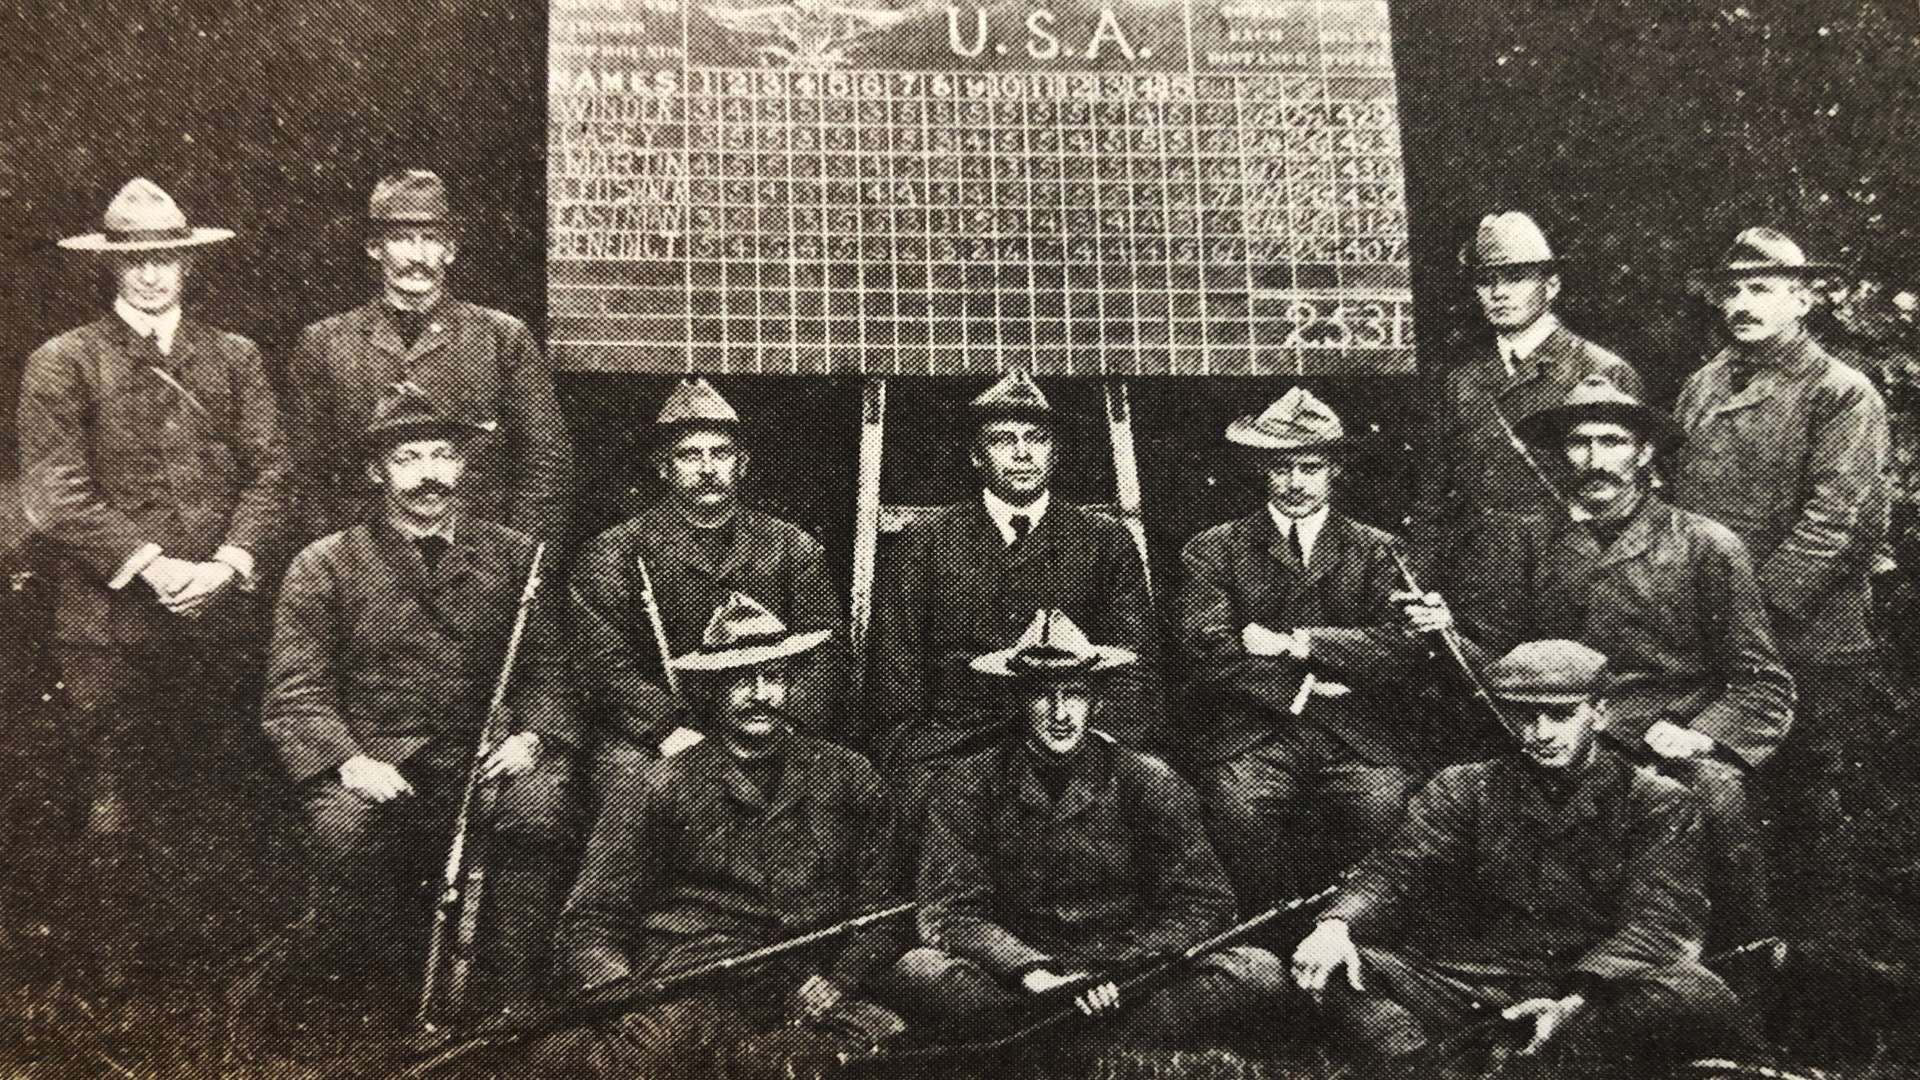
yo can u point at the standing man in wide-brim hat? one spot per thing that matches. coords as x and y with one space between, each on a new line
151 463
388 642
753 833
1471 473
479 365
1059 861
1787 446
1297 725
967 577
699 543
1696 686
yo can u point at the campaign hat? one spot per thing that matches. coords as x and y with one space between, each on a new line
1507 239
143 217
1763 251
1052 645
742 632
405 413
1298 421
1014 397
695 403
1597 397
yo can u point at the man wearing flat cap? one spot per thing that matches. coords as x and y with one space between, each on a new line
1558 885
1470 467
754 834
968 577
1787 446
151 463
1298 722
694 547
387 644
479 366
1695 684
1059 861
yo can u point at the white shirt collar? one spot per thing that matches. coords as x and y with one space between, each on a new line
1309 526
1002 512
160 328
1522 344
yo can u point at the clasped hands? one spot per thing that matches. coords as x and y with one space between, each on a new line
381 781
186 588
1101 997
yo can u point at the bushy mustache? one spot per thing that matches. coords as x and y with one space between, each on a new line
429 487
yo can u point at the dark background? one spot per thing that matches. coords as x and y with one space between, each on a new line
1642 133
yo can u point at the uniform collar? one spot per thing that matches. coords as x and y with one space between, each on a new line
1002 512
1521 345
161 328
1781 351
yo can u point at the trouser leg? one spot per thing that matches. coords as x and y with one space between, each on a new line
1225 987
1252 804
1651 1022
1408 1002
938 986
535 853
1739 888
1360 806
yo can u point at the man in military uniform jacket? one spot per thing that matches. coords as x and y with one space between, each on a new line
1559 885
1695 685
1060 861
965 579
700 544
477 364
151 464
1787 446
753 834
1298 722
1470 468
387 644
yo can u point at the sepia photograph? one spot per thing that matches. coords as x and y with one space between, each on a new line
977 539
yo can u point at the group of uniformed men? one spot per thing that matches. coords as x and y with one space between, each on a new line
1654 606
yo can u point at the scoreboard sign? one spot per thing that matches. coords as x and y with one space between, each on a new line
1135 187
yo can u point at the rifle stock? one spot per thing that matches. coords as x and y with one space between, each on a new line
610 1000
463 880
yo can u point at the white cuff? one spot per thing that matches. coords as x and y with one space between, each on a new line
141 558
241 560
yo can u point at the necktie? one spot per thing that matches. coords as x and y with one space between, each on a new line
1739 375
431 549
1022 525
409 324
1293 544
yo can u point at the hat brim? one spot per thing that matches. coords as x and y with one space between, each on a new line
730 659
99 243
1551 262
1097 658
1248 435
1550 424
423 430
1543 696
1812 271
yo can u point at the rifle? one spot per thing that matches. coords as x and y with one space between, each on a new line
608 1000
1449 640
1132 987
464 879
658 624
1520 447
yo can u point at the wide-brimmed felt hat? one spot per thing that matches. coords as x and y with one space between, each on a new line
410 197
1763 251
1597 397
694 403
1052 645
1551 672
1297 422
1507 239
405 413
742 633
1015 397
142 217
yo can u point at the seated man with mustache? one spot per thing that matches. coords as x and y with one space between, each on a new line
387 643
752 835
1697 686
